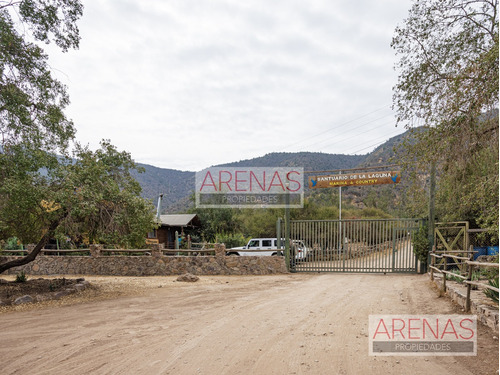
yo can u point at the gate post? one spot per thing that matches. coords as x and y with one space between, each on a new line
393 257
278 234
287 228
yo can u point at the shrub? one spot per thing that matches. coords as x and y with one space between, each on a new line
491 293
421 243
21 277
490 273
475 277
232 240
12 244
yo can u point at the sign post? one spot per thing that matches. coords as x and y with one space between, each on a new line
352 179
287 229
341 242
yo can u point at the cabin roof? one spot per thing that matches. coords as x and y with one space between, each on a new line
179 220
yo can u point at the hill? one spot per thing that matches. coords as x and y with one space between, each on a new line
177 186
310 161
384 154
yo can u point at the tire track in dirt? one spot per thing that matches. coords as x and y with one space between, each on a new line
284 324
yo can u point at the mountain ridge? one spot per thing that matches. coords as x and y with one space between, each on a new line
177 186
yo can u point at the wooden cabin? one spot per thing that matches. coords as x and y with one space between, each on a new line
183 224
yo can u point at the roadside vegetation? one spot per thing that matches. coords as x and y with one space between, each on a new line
50 185
447 94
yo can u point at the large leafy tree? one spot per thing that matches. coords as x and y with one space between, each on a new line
32 102
45 189
448 83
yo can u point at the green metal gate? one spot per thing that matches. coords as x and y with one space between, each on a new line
383 245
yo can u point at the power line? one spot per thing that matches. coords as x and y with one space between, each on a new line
331 129
349 130
343 139
374 145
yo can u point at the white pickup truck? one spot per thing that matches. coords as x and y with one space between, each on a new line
266 247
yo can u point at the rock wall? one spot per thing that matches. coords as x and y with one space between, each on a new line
159 265
480 305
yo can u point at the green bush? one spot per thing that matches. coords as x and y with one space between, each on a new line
489 272
12 244
455 278
21 277
475 277
232 239
491 293
421 243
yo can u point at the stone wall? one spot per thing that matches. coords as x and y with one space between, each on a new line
159 265
480 305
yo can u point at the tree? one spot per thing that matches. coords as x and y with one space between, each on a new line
216 221
44 189
32 103
449 62
92 196
448 82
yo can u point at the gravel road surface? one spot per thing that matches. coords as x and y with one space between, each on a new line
284 324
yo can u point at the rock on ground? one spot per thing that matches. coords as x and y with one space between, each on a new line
187 277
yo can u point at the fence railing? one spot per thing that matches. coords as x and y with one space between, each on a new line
199 248
130 252
465 265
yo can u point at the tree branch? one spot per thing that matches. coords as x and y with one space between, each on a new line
39 246
10 4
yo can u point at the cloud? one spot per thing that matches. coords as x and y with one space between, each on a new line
187 84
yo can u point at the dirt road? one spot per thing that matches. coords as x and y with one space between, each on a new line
286 324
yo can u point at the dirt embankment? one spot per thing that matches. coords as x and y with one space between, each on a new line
285 324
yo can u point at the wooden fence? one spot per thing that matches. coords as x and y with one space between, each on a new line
196 249
465 265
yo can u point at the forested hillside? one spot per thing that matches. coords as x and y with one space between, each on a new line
177 186
310 161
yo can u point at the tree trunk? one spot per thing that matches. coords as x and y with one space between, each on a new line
39 246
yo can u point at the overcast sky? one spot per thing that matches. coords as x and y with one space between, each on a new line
187 84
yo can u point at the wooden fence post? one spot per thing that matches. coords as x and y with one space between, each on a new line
469 286
156 250
30 248
220 250
444 274
469 278
433 264
95 250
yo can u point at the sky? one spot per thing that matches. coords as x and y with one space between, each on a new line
187 84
